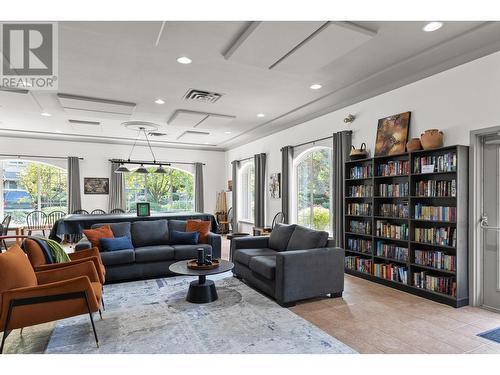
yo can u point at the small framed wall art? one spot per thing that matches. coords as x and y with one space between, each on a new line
143 209
95 185
275 185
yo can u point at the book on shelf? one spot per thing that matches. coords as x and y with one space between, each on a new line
435 213
394 168
394 210
441 163
435 259
442 236
391 272
359 209
394 190
392 231
432 188
360 227
358 264
361 171
441 284
360 191
360 245
391 251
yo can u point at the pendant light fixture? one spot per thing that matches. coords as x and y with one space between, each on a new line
141 169
122 169
160 169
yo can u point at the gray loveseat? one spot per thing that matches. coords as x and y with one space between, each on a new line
293 264
153 251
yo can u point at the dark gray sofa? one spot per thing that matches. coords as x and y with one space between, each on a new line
153 251
293 264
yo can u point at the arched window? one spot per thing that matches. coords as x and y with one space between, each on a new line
166 192
246 191
312 186
29 185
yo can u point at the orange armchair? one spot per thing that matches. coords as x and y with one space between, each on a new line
28 298
37 259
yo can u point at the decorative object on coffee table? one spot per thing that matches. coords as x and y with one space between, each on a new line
392 133
431 139
413 145
143 209
275 185
193 264
359 153
201 290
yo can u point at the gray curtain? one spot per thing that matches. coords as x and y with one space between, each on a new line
286 172
116 189
198 187
236 166
74 194
342 142
260 189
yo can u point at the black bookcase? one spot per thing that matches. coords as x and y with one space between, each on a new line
406 226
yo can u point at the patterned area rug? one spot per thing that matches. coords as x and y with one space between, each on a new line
152 316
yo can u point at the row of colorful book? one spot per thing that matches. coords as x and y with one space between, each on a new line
441 163
435 259
359 244
441 284
359 209
432 188
391 272
390 230
435 213
360 191
394 168
397 210
391 251
364 171
394 190
358 264
442 236
361 227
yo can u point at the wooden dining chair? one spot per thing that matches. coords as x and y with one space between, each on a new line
54 216
98 211
4 229
117 211
81 212
36 221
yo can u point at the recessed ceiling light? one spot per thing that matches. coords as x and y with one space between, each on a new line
160 101
46 114
260 115
432 26
184 60
315 86
227 132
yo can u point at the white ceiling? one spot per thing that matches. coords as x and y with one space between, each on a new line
258 67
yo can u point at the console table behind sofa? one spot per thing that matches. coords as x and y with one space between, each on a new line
74 224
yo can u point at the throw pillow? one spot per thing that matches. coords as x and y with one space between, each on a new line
117 243
202 227
93 235
184 238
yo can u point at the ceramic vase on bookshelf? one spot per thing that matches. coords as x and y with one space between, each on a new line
431 139
413 145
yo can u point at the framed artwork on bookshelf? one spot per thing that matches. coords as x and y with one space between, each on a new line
392 134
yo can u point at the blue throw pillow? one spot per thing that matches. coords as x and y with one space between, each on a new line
117 243
184 238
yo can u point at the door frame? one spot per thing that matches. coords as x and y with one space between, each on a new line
475 205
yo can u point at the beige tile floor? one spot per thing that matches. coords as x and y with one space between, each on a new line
370 318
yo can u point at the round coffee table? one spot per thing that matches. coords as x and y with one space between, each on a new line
201 290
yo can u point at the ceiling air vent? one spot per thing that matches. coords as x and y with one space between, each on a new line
82 122
202 96
156 134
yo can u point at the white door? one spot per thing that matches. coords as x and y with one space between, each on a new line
490 222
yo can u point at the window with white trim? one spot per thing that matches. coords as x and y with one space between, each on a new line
312 187
246 192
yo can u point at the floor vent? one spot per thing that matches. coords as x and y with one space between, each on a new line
202 96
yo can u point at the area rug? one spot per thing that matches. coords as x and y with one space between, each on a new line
152 316
492 334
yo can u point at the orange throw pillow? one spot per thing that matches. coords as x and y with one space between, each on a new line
202 227
93 235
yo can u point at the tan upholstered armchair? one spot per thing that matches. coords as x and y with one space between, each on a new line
28 298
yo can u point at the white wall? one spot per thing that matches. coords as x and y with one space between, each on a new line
456 101
96 164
